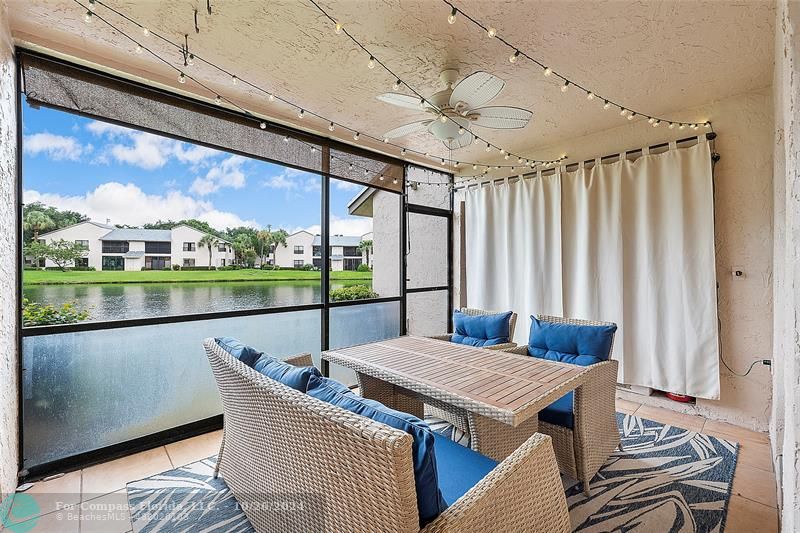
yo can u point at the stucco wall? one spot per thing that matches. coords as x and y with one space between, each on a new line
785 423
743 239
8 270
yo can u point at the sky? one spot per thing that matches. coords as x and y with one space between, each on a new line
109 172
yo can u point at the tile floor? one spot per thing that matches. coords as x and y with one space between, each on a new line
101 488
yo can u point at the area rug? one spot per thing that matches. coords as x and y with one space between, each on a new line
666 479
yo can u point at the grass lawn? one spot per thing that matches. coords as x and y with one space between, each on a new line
47 277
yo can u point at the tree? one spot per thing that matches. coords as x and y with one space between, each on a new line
211 242
366 246
36 222
270 240
244 253
60 219
63 253
36 251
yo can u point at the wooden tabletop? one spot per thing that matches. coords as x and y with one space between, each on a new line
507 387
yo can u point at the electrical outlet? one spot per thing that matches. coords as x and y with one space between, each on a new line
737 272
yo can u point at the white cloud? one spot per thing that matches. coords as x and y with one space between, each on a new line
291 179
146 150
226 174
128 204
57 147
346 185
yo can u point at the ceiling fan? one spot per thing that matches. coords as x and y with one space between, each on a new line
461 103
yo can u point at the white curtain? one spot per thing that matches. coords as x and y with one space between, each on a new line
628 242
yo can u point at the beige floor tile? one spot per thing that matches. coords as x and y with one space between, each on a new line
63 521
56 493
755 455
714 427
624 406
755 484
106 514
193 449
745 516
665 416
112 476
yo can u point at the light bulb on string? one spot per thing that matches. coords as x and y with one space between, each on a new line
443 161
396 85
422 103
331 127
657 123
491 32
443 118
92 5
218 100
394 181
286 138
371 62
651 120
707 124
565 86
474 167
350 166
514 57
301 113
682 126
386 140
519 160
461 131
488 147
88 17
622 111
182 78
145 31
671 125
234 80
403 151
190 59
547 71
262 125
451 18
271 97
590 95
506 157
337 28
630 117
356 135
607 105
138 49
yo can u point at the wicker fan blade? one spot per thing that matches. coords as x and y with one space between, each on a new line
459 142
501 117
402 100
405 129
476 90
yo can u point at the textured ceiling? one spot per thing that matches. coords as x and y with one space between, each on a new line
655 56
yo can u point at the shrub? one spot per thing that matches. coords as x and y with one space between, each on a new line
176 267
230 267
36 314
198 268
31 268
363 268
353 292
83 269
307 267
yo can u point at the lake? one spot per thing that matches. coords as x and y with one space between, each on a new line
119 301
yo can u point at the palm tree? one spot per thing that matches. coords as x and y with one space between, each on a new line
210 241
276 238
37 221
365 246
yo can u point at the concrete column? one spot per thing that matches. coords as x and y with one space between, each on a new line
8 261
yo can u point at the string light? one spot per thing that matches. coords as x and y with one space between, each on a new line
565 86
337 28
396 85
656 123
443 118
422 103
371 63
630 117
331 127
622 111
138 49
394 180
381 177
461 131
516 52
182 78
262 125
488 147
92 5
234 80
671 125
651 120
356 135
607 105
286 138
682 126
270 95
350 166
386 140
451 18
301 113
88 17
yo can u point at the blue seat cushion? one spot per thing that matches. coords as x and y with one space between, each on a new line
480 330
559 413
459 468
429 498
239 350
569 343
292 376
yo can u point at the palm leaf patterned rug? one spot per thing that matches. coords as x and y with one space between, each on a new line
666 479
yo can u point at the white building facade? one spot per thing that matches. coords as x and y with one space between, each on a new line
303 248
110 248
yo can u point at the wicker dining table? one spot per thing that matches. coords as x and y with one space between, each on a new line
500 393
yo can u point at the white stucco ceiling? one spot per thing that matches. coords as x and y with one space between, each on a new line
655 56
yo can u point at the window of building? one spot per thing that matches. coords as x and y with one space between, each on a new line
298 263
298 249
156 263
222 248
188 262
82 262
351 251
189 246
151 247
115 247
316 251
82 242
113 262
351 263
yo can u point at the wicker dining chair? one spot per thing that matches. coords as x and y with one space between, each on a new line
295 463
454 415
584 448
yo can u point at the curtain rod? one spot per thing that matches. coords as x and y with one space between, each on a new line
710 136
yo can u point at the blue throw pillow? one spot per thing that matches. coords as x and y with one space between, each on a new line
239 350
430 502
292 376
570 343
481 330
